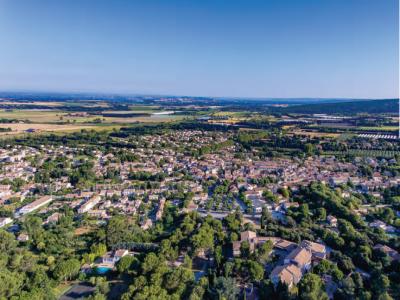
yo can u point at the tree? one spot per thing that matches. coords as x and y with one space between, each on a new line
7 242
98 250
67 269
380 284
321 213
284 192
224 288
150 263
127 264
309 149
199 289
311 287
385 296
245 249
117 229
177 279
347 290
11 283
269 196
265 217
256 270
204 239
264 251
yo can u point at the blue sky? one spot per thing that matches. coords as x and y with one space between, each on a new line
240 48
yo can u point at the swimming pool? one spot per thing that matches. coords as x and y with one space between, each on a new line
103 270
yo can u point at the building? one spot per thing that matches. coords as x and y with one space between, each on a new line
35 204
300 257
318 251
53 218
289 274
114 257
88 205
249 236
5 221
382 225
160 210
393 254
23 237
332 221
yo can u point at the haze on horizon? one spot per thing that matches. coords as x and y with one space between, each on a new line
237 48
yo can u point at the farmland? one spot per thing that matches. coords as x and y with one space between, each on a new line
17 128
364 153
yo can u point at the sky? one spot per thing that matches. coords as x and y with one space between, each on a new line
235 48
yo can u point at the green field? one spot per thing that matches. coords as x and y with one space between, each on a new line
364 153
381 128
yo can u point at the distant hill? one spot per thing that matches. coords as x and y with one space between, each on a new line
346 107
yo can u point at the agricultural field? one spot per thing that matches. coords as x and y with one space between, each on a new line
17 128
316 134
56 117
364 153
380 128
44 116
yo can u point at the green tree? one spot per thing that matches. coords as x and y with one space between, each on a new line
67 269
224 288
7 242
256 270
127 264
11 283
311 287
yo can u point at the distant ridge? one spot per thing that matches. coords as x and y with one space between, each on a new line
345 107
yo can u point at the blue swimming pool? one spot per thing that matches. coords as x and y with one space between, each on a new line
103 270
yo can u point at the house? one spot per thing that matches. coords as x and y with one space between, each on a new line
5 221
286 205
289 274
338 180
249 236
35 204
114 257
146 224
285 245
88 205
382 225
108 258
23 237
160 210
393 254
318 251
118 254
332 221
53 218
301 257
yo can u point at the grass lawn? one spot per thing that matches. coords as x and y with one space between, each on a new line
62 288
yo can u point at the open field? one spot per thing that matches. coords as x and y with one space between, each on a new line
364 153
316 134
82 230
381 128
145 119
37 103
145 108
54 116
24 128
62 288
43 116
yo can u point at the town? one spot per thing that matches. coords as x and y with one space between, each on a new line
222 216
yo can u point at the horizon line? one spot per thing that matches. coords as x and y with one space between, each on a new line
131 94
